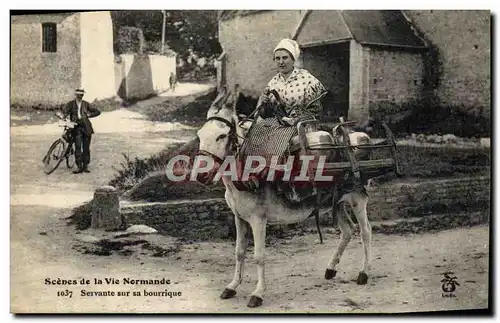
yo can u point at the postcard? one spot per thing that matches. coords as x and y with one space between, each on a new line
250 161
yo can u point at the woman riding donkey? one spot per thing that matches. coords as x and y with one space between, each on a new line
298 89
298 93
222 138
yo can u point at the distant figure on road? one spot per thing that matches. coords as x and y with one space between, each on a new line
173 81
79 111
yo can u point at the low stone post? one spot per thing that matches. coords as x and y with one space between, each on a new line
106 208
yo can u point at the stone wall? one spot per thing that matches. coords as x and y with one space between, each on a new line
394 76
205 219
396 200
46 78
83 58
200 218
463 39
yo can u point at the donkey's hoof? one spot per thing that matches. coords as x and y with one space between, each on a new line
362 279
255 301
330 273
227 293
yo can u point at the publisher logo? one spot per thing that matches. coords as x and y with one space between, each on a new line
449 285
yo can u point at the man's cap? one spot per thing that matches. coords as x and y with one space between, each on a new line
79 91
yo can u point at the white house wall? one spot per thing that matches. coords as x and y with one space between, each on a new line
97 56
44 78
141 76
161 67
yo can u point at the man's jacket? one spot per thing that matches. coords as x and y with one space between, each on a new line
87 111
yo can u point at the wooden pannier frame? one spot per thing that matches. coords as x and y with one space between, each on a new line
359 168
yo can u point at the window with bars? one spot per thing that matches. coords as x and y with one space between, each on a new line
49 37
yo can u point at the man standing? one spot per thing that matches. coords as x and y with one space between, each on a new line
79 111
173 81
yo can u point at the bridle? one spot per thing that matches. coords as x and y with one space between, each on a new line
232 138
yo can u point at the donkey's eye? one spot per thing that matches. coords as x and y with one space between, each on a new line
220 137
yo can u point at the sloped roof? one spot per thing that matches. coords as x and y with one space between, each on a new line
381 27
31 18
230 14
368 27
321 27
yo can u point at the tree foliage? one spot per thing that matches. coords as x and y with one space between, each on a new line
185 29
130 39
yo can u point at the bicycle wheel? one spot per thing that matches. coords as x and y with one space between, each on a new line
54 156
70 157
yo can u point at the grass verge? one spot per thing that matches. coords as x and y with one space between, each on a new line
190 110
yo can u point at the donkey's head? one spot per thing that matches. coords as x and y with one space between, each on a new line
219 135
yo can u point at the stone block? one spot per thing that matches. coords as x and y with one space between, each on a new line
106 209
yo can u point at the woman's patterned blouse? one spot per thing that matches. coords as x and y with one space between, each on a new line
298 91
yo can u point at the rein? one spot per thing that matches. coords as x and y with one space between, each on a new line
233 135
228 123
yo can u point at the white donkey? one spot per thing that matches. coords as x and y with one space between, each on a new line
220 137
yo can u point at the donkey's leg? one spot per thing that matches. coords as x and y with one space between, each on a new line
345 237
258 225
240 252
359 203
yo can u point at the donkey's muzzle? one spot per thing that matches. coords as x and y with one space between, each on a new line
206 167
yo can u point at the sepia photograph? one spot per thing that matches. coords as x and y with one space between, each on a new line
251 162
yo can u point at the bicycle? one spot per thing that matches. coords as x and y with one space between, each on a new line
62 148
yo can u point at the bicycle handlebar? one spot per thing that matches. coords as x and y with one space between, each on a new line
67 124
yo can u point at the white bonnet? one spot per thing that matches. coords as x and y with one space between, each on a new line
289 45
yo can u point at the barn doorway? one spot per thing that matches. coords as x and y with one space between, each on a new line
330 64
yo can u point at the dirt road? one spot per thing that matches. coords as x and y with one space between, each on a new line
118 132
406 272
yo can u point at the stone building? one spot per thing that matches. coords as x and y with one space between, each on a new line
52 54
365 57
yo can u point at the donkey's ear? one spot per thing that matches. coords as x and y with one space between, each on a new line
234 97
226 97
220 96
